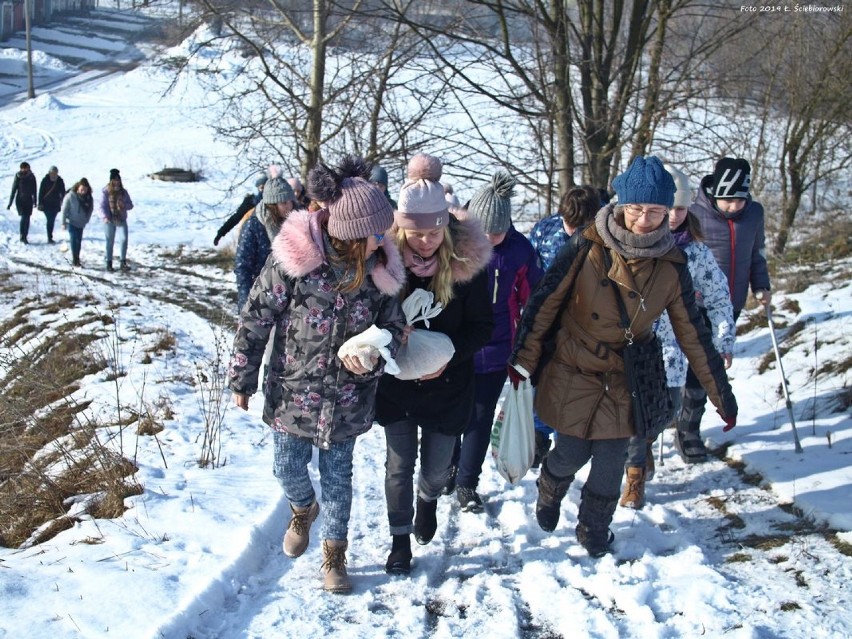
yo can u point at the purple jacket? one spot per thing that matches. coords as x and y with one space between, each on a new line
106 214
737 242
512 273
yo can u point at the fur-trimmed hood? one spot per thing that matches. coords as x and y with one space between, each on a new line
299 249
469 242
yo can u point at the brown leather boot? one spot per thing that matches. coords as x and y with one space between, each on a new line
298 531
634 490
334 566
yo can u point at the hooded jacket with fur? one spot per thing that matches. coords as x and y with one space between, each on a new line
445 404
309 393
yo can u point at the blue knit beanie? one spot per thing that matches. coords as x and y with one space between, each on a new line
645 181
379 175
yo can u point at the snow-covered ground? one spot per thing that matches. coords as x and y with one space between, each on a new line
714 553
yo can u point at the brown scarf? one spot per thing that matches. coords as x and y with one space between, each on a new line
117 204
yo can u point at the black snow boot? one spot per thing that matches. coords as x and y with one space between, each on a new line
593 522
425 521
542 445
551 492
399 560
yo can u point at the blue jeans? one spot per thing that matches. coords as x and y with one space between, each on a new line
436 453
637 450
292 457
540 426
109 232
570 454
75 239
470 454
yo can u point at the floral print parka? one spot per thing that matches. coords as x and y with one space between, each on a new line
309 393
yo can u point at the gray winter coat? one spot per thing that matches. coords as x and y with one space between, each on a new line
737 241
309 393
74 212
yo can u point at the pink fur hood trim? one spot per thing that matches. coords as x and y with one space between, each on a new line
299 249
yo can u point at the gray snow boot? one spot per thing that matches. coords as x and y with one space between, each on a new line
593 522
551 492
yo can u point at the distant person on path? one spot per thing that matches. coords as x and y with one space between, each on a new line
250 201
77 207
577 207
50 194
379 176
450 197
258 232
627 254
302 199
513 272
333 276
114 205
714 303
733 227
422 417
24 194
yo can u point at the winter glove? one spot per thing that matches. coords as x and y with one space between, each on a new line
730 422
515 376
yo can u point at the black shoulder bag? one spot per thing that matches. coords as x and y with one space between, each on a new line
645 373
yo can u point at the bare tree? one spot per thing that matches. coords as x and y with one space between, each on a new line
294 82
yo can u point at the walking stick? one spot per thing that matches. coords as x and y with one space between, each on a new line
787 401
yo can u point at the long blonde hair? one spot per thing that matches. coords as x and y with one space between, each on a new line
351 253
442 282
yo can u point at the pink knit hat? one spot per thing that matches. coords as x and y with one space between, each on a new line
421 204
357 208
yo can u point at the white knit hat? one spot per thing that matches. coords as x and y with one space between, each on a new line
683 194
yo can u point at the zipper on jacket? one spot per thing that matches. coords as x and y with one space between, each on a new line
496 277
732 233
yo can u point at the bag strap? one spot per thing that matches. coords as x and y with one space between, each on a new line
622 309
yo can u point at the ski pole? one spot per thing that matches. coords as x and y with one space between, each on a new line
759 295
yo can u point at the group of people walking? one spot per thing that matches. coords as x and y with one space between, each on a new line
75 205
346 266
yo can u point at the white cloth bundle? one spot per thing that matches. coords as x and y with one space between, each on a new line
426 351
365 345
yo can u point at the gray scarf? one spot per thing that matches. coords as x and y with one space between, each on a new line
631 245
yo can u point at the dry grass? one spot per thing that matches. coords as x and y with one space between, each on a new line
52 455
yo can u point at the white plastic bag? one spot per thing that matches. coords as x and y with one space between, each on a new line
513 434
364 345
426 351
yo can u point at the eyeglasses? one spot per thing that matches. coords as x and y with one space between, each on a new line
379 236
636 211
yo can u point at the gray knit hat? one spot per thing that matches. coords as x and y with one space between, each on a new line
356 207
277 190
492 204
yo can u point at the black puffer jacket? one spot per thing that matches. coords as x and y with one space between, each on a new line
445 404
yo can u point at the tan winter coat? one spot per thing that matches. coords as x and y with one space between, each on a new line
582 391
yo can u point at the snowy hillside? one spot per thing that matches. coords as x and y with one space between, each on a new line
755 543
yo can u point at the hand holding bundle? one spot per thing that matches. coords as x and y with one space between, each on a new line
368 346
425 351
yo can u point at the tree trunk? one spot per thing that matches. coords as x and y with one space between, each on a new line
313 125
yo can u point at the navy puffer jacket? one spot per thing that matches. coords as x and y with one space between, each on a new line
737 241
